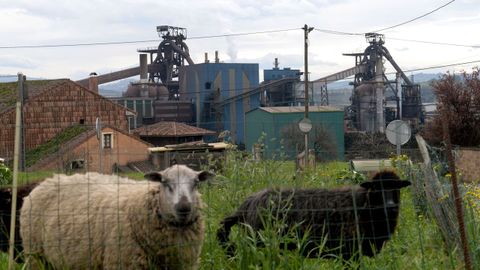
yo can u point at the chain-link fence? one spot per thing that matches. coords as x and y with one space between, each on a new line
280 215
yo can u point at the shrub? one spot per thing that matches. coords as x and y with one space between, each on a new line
458 98
5 175
365 145
322 141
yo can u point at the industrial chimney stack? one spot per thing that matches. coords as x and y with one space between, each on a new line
93 82
143 67
275 64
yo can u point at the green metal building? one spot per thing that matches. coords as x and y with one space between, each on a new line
277 129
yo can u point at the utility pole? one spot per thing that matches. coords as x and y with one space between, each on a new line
306 30
16 161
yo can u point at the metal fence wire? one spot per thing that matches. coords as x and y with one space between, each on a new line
260 211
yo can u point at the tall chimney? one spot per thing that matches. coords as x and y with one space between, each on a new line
275 64
216 57
206 58
93 82
143 67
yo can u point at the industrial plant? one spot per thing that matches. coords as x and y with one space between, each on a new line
217 96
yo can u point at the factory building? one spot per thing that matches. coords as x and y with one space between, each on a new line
276 128
276 73
213 88
150 102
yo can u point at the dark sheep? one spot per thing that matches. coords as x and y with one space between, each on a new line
340 220
5 214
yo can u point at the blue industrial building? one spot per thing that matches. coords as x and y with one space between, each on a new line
214 89
276 73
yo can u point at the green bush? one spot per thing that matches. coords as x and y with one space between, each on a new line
5 175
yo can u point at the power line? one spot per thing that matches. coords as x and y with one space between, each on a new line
442 66
335 32
246 33
436 43
76 44
416 18
437 66
139 41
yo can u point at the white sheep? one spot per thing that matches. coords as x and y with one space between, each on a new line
96 221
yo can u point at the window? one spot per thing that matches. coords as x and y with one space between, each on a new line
77 164
107 141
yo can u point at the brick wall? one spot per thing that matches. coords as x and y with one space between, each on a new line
125 149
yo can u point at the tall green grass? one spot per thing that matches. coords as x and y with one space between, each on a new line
416 243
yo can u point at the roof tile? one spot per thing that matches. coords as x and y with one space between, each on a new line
171 129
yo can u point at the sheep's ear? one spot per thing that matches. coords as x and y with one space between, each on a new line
205 175
153 176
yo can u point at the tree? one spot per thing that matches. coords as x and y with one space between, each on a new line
324 143
458 100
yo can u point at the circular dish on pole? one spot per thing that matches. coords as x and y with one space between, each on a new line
305 125
398 132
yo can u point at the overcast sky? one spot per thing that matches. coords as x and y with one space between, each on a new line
37 22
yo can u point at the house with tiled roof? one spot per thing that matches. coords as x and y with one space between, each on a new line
106 150
165 133
52 106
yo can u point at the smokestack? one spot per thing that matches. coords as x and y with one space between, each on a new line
216 57
275 64
206 58
143 67
93 82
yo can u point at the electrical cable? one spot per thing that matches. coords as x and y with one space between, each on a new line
335 32
416 18
139 41
436 43
442 66
245 34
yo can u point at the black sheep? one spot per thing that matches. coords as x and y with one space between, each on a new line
343 219
5 213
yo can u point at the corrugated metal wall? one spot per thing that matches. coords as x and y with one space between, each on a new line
258 122
201 82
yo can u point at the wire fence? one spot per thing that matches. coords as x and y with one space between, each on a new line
287 215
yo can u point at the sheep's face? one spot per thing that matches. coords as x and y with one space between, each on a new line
384 193
179 197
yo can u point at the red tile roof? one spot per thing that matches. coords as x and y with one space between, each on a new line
171 129
8 91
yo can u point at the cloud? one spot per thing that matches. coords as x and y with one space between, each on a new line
12 61
26 22
402 49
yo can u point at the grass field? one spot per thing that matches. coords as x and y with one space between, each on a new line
416 244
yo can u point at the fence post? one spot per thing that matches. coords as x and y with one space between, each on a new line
16 158
456 194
